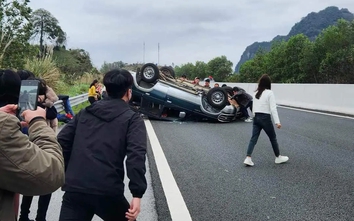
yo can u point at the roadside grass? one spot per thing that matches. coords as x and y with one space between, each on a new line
77 108
72 90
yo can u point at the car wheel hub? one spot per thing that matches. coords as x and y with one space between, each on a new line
218 97
149 73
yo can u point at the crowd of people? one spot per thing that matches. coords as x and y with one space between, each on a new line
85 158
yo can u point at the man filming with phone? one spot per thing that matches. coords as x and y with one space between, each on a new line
29 165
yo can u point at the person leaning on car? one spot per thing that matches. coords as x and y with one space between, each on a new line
245 101
29 165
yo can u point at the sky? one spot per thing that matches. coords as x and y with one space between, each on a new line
186 30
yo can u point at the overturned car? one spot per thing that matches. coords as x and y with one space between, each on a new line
158 94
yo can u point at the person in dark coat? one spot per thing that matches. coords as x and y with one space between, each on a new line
245 101
95 143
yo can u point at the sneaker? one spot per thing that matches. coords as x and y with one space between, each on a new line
248 161
249 120
281 159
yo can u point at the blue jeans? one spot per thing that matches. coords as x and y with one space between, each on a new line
244 111
66 104
263 121
67 107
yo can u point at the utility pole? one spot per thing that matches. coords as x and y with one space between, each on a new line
144 52
158 53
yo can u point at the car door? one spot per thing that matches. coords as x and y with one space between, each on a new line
181 100
152 102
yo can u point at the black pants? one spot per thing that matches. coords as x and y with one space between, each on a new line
263 121
43 204
82 207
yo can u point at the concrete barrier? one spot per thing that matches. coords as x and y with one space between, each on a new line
336 98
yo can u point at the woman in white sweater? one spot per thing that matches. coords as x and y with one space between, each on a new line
264 107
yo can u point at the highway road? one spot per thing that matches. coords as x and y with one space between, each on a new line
207 163
196 171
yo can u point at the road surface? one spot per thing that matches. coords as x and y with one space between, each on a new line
209 182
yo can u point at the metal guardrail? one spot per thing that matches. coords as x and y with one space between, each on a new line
79 99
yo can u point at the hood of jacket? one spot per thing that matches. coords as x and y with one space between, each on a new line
108 109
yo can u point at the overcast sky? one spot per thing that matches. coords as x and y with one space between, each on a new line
187 30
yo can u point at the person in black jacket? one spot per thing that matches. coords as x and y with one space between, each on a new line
245 101
95 144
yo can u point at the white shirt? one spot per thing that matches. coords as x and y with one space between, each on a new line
266 104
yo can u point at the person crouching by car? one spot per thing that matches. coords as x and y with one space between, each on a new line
29 165
245 101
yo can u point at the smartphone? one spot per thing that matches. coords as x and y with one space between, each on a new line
28 96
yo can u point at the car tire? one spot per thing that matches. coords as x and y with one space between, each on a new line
217 97
169 71
150 73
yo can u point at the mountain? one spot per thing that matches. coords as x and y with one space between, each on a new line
311 26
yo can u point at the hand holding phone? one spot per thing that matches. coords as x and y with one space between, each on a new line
28 96
29 115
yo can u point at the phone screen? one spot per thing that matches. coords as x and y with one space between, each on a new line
28 95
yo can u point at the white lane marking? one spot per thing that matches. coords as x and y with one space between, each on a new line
317 112
177 206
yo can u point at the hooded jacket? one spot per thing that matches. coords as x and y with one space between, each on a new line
95 144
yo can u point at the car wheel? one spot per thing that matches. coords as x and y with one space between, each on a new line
168 71
217 97
150 73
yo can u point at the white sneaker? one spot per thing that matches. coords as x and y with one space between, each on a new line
248 161
249 120
281 159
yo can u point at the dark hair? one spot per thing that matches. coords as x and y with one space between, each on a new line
117 82
264 82
223 85
235 89
184 76
93 82
42 89
10 85
25 75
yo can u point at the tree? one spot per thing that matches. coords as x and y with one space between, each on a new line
47 27
294 55
187 69
110 66
14 29
200 70
329 59
220 68
74 63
